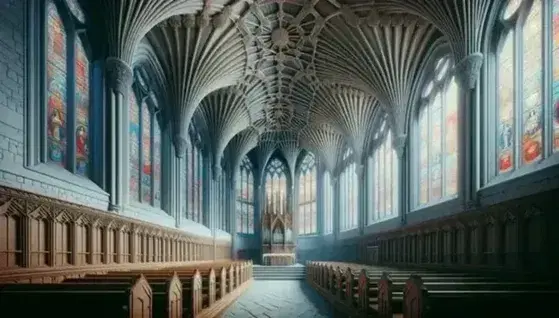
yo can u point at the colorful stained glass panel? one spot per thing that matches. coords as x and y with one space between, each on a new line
555 88
156 165
506 106
436 149
134 156
82 109
56 87
451 140
147 173
532 146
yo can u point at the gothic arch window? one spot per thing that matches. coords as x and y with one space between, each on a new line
307 196
348 194
382 180
245 198
276 187
145 146
328 203
437 137
525 121
195 178
68 88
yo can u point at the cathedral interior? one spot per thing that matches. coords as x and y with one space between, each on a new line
279 158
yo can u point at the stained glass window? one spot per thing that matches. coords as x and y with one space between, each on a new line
348 195
66 118
57 107
555 85
382 171
82 109
245 198
145 151
307 196
146 154
438 140
156 164
195 179
328 206
276 187
521 81
134 142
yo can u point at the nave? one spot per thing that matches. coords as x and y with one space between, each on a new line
280 299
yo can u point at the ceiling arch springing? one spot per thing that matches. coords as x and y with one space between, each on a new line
350 110
240 145
384 53
197 58
325 141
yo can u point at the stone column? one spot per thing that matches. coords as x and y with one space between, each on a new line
232 212
206 210
361 197
336 203
399 144
468 70
118 84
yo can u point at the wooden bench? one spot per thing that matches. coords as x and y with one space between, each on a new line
166 291
123 299
374 292
518 299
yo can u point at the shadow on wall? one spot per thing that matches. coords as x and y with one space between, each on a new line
249 254
334 252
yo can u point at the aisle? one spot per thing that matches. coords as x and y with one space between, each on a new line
279 299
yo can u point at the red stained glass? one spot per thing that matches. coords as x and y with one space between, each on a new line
532 146
56 87
82 109
156 165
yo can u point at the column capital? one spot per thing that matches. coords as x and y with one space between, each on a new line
359 170
468 70
399 144
119 74
216 171
180 145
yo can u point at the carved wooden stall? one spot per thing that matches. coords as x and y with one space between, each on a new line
516 235
40 234
277 238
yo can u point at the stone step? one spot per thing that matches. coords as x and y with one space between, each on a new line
279 278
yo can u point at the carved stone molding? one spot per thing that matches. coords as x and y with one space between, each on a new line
119 75
180 144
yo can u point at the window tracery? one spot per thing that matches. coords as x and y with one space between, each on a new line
307 196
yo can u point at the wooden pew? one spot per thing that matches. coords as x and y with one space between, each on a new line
166 291
422 300
131 299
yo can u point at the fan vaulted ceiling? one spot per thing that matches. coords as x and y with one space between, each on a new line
287 75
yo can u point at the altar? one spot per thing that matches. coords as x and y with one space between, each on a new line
278 248
278 259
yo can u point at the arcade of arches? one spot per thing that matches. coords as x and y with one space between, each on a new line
279 131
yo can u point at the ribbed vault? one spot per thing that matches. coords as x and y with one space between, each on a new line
349 110
326 142
197 57
226 112
278 76
380 53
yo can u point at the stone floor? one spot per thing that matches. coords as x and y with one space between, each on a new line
279 299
